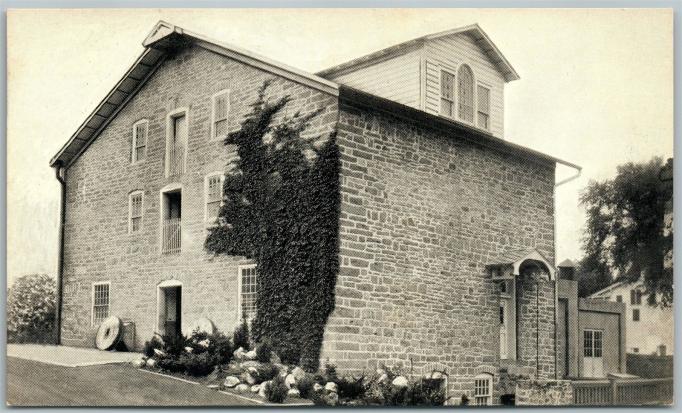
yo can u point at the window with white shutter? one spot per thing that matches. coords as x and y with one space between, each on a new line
221 110
213 187
135 200
483 117
140 133
465 93
447 94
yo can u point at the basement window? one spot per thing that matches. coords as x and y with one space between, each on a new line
100 302
483 394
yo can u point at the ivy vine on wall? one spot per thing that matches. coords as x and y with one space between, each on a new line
281 209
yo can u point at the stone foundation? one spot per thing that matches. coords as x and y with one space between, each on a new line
544 393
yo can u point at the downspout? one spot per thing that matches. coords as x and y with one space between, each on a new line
59 174
556 275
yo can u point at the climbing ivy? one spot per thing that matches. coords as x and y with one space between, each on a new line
281 209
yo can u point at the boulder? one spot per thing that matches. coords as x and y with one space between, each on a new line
251 376
317 387
382 378
436 375
298 373
251 355
204 343
331 399
255 388
239 354
231 381
189 349
261 391
139 363
249 363
400 381
151 363
290 381
331 386
159 353
294 393
242 388
380 372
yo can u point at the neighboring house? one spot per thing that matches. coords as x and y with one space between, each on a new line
446 245
650 329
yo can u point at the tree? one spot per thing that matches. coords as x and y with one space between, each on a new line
281 209
31 307
625 232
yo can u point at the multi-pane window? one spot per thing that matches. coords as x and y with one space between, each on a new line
214 196
140 132
619 298
635 297
221 109
592 343
100 302
447 94
135 211
483 390
483 107
247 293
635 314
465 93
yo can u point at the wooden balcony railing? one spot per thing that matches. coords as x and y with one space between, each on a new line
172 235
623 392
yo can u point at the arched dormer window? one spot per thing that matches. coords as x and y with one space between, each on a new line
465 93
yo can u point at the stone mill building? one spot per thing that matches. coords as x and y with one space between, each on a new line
446 246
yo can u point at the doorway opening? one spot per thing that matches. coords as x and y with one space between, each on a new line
170 309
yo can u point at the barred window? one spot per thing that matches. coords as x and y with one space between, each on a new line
214 196
483 107
100 302
483 390
465 93
135 211
447 94
221 109
247 293
140 132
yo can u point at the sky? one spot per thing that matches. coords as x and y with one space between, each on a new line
596 87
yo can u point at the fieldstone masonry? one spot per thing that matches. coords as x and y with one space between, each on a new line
97 245
423 211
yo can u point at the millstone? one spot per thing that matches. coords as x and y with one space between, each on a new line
109 333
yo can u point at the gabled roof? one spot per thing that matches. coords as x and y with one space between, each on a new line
164 38
474 30
614 286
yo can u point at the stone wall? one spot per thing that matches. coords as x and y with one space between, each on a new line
535 328
422 213
544 393
97 244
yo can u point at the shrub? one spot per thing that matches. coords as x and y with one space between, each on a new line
329 373
196 364
31 303
351 388
220 348
174 345
305 385
426 392
264 352
267 372
170 364
241 336
276 390
149 346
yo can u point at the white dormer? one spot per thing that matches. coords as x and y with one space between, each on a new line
458 74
